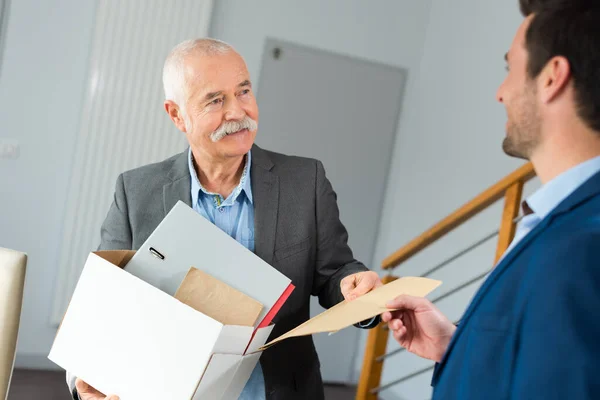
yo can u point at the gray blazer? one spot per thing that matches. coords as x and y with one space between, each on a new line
297 231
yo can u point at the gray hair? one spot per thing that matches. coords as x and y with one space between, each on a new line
174 81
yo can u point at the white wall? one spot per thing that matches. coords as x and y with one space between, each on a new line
387 31
448 150
41 87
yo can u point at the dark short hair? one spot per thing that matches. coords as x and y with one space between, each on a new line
571 29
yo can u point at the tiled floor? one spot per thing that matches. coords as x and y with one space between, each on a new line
50 385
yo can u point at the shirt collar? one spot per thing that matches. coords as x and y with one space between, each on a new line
244 185
545 199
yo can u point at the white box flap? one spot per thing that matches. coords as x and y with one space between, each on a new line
259 339
239 380
233 339
218 375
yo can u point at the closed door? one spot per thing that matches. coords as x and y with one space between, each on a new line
344 112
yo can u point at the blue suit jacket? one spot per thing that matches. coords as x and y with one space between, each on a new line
532 331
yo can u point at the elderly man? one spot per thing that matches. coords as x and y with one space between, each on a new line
281 207
531 331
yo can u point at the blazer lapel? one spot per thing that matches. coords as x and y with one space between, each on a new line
180 187
265 192
583 193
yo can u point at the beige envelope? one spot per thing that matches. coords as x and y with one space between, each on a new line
348 313
218 300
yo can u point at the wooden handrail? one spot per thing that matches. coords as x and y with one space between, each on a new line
457 218
508 227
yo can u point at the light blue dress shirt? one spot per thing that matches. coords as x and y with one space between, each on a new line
549 196
235 216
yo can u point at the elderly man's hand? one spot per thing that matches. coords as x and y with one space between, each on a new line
86 392
356 285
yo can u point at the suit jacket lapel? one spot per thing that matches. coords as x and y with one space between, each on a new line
265 192
180 186
587 190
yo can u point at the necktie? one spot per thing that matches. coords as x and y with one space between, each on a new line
526 209
526 224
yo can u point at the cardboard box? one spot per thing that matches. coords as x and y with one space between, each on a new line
148 325
124 336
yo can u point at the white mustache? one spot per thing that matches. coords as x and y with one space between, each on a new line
229 127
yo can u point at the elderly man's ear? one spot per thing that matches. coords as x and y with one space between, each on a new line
176 115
